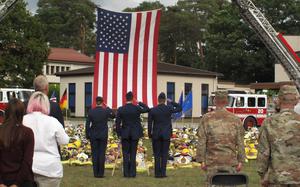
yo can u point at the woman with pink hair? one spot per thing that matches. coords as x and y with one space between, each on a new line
48 133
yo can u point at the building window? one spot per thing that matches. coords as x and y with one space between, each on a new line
47 70
88 97
67 68
52 70
72 96
171 90
187 88
204 98
63 68
57 69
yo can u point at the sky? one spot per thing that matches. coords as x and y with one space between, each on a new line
117 5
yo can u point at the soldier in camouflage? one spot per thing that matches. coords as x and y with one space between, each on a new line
221 140
279 143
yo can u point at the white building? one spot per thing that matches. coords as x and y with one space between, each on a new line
64 59
171 79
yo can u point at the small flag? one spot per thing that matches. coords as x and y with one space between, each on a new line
53 97
178 115
63 100
187 106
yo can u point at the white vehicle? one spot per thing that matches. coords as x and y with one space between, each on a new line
8 93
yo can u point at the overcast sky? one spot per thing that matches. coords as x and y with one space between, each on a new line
117 5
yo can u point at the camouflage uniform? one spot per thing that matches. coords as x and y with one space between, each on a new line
279 145
221 141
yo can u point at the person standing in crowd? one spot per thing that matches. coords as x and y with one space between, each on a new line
160 130
48 133
220 140
16 148
97 132
41 84
129 128
278 157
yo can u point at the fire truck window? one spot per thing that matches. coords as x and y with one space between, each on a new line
11 95
1 96
261 102
251 102
240 101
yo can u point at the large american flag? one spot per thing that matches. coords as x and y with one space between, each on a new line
126 57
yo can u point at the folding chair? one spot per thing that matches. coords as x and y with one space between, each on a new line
229 179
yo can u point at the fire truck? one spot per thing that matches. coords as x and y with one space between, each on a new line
8 93
250 108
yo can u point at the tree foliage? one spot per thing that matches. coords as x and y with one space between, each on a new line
23 49
69 23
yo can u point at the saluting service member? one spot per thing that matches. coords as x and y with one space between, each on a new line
220 140
160 130
278 157
97 133
129 128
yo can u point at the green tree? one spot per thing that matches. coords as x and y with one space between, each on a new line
23 49
235 50
69 23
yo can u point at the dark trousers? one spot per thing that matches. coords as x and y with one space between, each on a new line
98 156
161 154
24 184
129 148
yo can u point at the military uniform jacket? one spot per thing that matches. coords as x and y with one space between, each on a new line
96 123
279 148
159 120
128 121
221 139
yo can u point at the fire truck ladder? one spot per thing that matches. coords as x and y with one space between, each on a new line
274 42
5 7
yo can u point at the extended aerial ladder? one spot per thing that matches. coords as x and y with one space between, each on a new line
5 7
274 41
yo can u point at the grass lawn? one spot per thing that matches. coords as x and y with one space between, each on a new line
76 176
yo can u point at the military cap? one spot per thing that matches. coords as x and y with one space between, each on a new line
162 95
288 89
221 94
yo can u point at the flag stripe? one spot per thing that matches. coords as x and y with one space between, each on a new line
125 76
150 60
105 77
145 57
110 78
115 80
155 48
136 53
141 57
96 79
120 81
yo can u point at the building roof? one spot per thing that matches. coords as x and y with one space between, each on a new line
162 68
270 85
68 55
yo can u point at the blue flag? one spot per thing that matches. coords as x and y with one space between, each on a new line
187 106
178 115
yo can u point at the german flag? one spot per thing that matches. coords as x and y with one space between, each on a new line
63 100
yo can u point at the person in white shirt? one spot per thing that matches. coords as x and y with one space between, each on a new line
48 133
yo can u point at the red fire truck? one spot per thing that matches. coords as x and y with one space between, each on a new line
250 108
7 93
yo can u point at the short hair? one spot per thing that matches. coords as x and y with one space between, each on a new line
99 100
129 96
39 102
40 83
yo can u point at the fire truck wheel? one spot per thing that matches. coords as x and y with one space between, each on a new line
250 122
